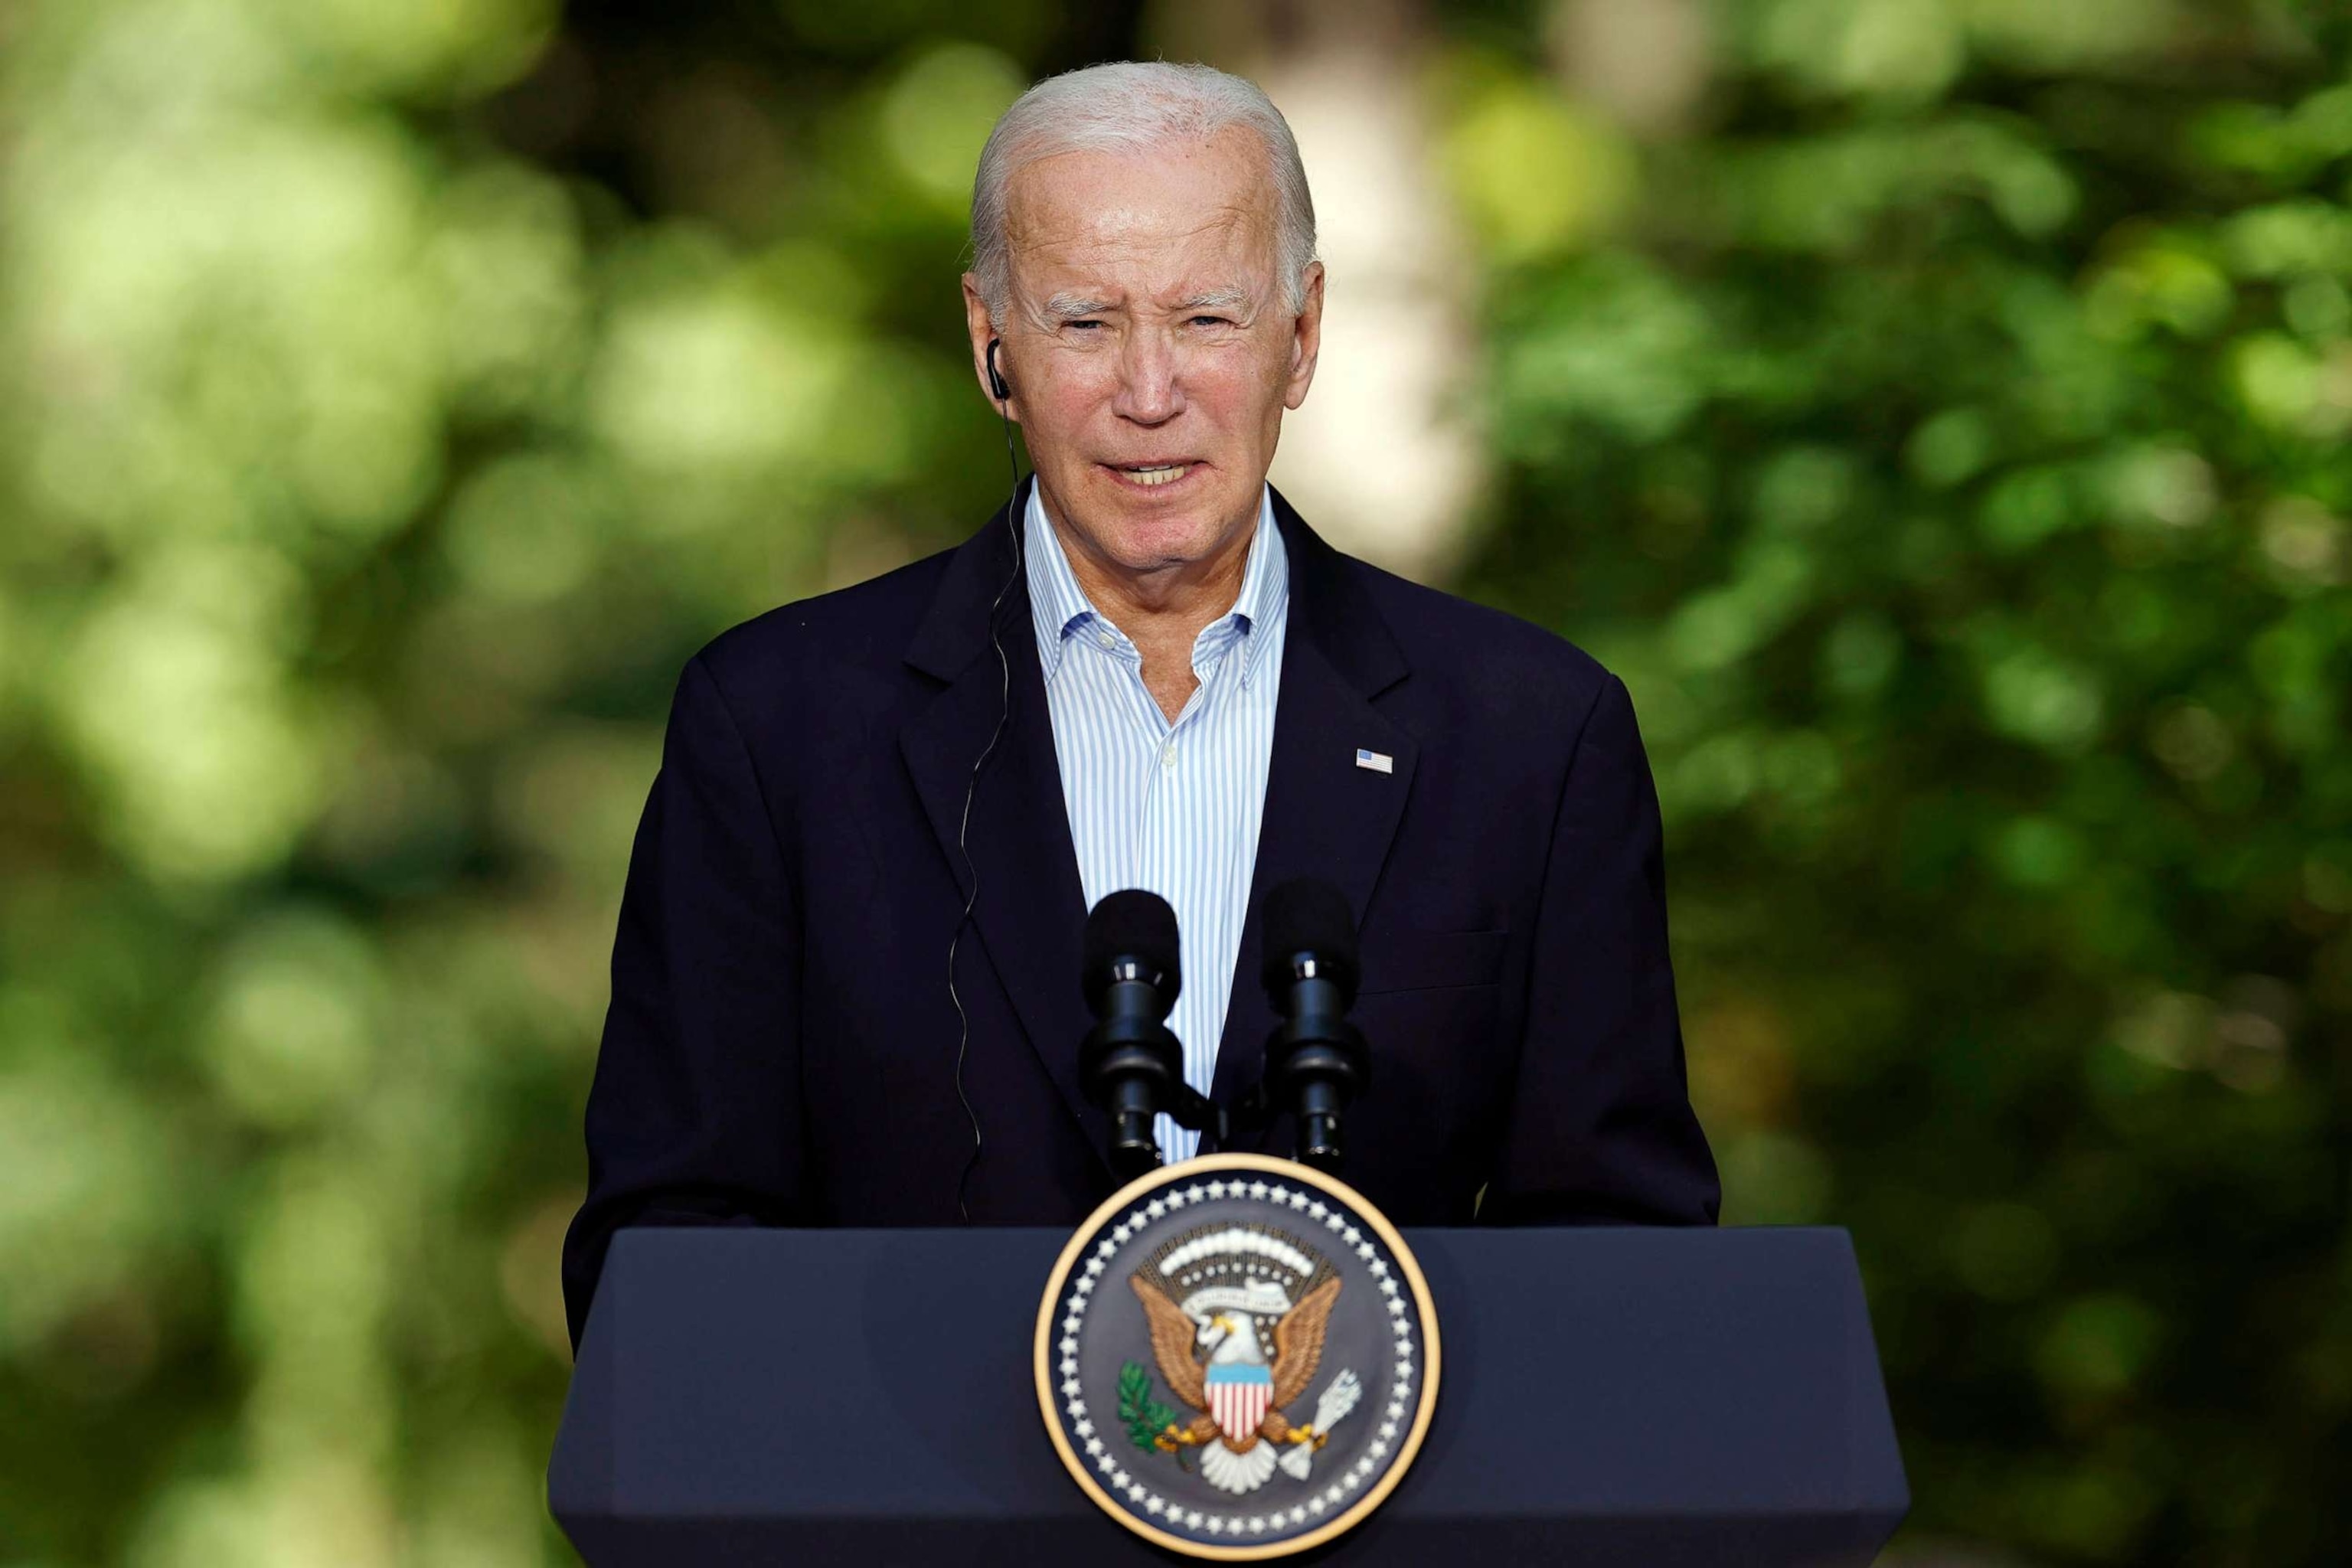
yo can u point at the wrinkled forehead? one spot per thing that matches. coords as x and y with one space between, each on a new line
1185 212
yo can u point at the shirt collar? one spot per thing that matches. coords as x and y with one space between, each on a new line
1058 606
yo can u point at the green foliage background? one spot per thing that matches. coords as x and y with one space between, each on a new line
1941 428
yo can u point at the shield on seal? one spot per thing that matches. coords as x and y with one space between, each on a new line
1238 1396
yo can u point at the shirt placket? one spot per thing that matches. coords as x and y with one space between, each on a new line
1164 796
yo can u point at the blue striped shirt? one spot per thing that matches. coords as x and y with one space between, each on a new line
1172 809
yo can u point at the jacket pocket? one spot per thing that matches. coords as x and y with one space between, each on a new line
1433 960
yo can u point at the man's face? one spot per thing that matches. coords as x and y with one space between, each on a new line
1148 343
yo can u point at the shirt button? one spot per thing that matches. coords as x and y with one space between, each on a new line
1168 755
1104 639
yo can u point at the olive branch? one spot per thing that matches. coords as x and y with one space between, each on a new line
1145 1417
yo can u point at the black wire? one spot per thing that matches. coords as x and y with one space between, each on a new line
1012 523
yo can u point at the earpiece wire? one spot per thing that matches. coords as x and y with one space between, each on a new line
1013 525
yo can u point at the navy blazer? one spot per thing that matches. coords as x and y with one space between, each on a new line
781 1047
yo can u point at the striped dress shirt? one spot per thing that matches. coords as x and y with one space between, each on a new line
1173 808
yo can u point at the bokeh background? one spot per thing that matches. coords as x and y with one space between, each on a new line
1935 410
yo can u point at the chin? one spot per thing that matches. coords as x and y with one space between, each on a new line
1183 521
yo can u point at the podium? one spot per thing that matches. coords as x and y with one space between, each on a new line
1650 1397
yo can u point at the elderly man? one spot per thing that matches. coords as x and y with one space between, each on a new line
845 985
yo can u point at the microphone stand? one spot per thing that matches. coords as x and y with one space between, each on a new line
1131 1065
1316 1062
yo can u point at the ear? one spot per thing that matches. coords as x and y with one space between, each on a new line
1306 339
982 329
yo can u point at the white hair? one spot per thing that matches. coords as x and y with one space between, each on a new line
1132 106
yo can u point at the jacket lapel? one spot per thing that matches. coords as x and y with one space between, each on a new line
1324 816
1030 914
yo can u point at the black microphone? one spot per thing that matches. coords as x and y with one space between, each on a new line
1131 1063
1315 1061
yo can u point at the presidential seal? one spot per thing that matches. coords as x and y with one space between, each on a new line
1237 1357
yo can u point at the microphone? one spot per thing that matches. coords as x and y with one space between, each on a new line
1315 1061
1130 1064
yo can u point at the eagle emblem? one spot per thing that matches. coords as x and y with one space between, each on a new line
1237 1315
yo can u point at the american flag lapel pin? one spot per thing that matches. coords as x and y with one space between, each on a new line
1375 762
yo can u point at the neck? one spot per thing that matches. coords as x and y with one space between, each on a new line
1162 603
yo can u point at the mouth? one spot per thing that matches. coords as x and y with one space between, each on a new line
1154 474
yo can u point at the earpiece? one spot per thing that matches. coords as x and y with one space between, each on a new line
996 382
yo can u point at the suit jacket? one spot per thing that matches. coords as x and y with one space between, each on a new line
781 1047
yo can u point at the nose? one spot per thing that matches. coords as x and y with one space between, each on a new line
1150 389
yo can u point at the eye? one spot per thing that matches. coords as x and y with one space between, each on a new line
1085 325
1210 321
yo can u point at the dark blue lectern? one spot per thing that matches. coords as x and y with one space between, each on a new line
1609 1397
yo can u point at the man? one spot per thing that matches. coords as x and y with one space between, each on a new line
1149 671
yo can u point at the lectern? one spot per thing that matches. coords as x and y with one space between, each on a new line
1647 1397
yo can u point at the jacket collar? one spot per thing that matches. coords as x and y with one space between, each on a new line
1327 599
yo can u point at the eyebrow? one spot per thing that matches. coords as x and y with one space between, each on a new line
1075 307
1217 300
